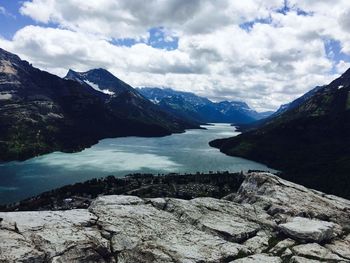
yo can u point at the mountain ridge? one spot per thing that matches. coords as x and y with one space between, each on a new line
124 100
41 112
312 136
189 105
105 79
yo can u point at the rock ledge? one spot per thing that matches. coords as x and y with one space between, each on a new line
267 220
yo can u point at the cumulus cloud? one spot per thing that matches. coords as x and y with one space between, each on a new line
56 49
123 19
279 56
342 66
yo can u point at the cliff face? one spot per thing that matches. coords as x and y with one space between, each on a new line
267 220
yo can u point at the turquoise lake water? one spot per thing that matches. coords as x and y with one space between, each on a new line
186 152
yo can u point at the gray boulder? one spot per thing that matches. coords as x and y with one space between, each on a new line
305 229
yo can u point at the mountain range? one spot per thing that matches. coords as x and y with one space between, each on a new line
189 106
127 102
308 139
41 112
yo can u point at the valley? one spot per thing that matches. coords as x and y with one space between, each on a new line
309 140
54 119
187 152
171 131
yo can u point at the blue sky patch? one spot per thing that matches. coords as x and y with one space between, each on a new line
333 51
128 42
157 39
12 20
285 9
247 26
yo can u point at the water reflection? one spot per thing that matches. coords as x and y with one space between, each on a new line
187 152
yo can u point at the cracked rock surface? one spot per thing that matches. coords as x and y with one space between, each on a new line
306 229
267 220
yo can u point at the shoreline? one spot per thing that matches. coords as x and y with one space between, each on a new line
183 186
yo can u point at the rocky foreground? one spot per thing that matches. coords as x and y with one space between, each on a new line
267 220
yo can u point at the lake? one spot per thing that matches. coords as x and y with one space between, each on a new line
186 152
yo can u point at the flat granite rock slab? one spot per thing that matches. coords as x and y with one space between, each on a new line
229 220
15 248
258 258
309 229
51 234
340 247
279 196
316 251
140 231
296 259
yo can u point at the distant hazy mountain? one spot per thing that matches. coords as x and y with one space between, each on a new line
40 112
190 106
309 140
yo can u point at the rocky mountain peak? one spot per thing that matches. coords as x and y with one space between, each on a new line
101 80
101 71
8 56
71 72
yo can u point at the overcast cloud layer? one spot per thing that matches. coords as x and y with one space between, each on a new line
263 52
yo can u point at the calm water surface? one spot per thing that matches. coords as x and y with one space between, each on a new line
186 152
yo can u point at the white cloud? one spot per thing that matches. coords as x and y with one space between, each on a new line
266 66
121 19
56 49
342 66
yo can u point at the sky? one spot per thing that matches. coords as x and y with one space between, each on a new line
265 53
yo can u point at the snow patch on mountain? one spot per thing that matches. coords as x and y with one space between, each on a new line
96 87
